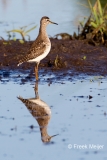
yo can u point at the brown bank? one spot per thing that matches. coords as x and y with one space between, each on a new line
76 56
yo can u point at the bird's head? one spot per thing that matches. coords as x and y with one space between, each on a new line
45 21
48 138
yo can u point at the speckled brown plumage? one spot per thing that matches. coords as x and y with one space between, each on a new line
37 48
40 48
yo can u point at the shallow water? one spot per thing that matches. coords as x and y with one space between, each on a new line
76 118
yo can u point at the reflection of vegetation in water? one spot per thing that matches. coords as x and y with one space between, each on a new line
96 25
22 31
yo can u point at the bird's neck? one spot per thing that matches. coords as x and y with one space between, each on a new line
42 31
43 130
44 133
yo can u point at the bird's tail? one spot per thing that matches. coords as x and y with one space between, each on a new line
24 59
19 64
23 100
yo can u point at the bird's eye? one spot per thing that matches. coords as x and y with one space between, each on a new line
47 19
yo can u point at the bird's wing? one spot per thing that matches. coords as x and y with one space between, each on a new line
36 50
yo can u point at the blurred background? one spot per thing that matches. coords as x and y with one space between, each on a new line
67 13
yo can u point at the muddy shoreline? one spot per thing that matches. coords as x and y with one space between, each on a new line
67 57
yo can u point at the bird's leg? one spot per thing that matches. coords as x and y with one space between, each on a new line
36 70
36 90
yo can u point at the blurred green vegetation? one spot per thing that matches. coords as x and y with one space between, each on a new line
23 31
95 27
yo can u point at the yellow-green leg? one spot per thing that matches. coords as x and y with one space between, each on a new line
36 90
36 71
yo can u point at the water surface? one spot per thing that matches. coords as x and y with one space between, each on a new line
77 119
15 14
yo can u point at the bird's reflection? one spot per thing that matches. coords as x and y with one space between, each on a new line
40 111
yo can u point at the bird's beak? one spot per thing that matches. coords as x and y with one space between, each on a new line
54 135
53 22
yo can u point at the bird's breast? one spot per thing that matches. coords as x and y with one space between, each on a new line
43 55
42 105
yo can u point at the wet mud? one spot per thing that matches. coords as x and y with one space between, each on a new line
67 57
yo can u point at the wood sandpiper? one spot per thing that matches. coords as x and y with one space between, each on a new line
41 112
40 47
